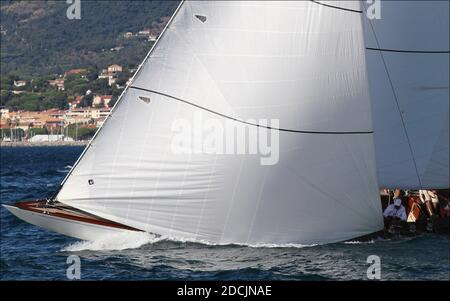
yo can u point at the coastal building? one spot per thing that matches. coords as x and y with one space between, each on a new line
74 71
4 114
114 68
28 119
49 138
112 80
106 100
101 100
20 83
56 113
97 101
144 32
86 115
54 119
58 83
5 118
53 125
16 92
104 74
111 73
128 35
76 102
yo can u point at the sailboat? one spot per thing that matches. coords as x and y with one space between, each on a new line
361 104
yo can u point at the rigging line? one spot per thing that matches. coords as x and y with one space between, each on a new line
249 123
407 51
397 104
337 7
120 98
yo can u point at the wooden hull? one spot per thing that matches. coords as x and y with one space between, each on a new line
66 220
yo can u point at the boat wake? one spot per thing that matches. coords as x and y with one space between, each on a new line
272 246
124 241
356 242
116 242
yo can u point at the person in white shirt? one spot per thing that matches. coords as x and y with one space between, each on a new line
395 210
430 199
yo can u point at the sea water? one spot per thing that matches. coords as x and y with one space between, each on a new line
31 253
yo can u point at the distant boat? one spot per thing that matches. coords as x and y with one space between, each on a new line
362 104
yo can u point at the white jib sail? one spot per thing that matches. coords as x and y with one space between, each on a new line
409 83
300 62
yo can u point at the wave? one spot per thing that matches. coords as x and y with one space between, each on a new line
283 245
114 242
356 242
229 244
124 241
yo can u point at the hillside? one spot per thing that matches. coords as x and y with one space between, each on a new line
37 38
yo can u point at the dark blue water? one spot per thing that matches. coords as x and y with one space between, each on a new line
31 253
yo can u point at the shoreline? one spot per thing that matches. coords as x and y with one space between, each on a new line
34 144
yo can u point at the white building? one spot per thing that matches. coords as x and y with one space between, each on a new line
49 138
112 80
101 100
144 32
20 83
114 68
128 35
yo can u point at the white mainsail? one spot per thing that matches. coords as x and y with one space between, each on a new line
409 83
301 62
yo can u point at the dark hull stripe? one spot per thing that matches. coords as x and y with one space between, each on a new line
89 219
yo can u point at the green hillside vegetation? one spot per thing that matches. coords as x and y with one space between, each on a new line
39 43
40 39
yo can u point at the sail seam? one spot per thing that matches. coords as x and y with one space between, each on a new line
253 124
337 7
407 51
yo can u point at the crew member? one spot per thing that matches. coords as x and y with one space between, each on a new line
430 200
395 210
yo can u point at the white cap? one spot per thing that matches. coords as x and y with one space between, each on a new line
397 202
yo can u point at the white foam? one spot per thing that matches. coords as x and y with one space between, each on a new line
356 242
259 245
283 245
121 241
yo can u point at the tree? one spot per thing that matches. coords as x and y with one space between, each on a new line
78 132
87 100
92 73
5 96
37 131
